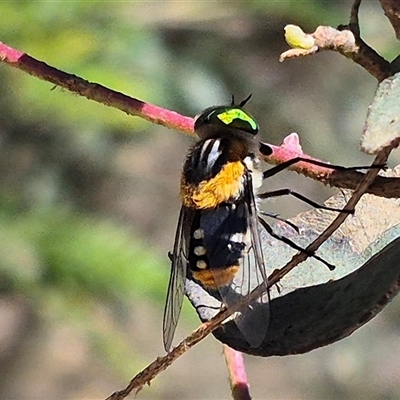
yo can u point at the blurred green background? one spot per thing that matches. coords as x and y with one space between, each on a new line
89 196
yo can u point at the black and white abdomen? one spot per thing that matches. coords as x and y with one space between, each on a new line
219 239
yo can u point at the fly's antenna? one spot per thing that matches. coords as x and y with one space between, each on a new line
242 103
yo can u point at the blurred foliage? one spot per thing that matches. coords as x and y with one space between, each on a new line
76 254
88 195
78 40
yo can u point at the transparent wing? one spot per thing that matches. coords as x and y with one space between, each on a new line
252 320
176 286
256 244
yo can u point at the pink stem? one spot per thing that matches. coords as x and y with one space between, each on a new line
237 374
94 91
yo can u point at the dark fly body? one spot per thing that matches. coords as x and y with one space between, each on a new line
217 241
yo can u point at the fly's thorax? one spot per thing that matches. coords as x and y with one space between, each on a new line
208 156
214 171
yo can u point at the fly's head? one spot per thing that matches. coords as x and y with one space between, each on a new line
224 121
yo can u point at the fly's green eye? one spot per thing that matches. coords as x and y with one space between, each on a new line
225 118
238 118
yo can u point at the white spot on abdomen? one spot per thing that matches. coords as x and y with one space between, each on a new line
199 251
198 234
201 264
236 238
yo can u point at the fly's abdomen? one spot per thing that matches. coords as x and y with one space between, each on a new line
218 241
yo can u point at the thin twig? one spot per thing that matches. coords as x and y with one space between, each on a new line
366 56
95 91
354 22
161 363
237 374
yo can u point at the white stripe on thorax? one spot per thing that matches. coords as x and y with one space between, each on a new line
204 148
214 152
